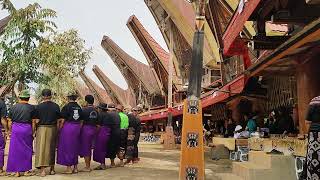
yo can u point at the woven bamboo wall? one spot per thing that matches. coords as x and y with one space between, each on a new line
219 112
282 91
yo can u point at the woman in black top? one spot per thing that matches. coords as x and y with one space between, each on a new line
70 126
313 160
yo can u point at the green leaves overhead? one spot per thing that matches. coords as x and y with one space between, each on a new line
32 51
20 40
64 56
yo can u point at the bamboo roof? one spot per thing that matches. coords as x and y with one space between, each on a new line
181 48
156 56
182 14
135 72
117 94
100 94
82 89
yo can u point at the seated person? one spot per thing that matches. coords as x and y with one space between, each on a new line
251 124
230 128
239 133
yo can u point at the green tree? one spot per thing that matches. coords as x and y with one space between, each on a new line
63 56
19 42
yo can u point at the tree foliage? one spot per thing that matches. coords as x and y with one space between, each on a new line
19 42
32 51
64 55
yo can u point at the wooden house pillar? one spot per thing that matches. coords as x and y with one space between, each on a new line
308 87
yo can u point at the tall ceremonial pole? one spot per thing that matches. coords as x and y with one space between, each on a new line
192 149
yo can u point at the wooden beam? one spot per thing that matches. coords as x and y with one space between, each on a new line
313 1
308 34
237 23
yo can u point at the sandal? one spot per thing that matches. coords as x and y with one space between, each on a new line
100 168
3 173
29 173
52 172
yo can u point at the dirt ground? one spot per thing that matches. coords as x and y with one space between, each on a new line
155 164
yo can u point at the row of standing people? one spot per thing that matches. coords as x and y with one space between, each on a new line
69 133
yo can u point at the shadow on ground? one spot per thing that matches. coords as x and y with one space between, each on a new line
156 164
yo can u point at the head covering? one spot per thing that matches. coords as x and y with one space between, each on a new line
46 93
111 107
138 109
103 106
24 94
315 101
238 128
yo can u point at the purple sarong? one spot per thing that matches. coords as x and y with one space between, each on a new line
88 133
100 148
68 145
2 146
20 152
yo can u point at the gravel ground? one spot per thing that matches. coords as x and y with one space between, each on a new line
155 164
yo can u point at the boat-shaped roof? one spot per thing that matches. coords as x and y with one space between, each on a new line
116 93
135 72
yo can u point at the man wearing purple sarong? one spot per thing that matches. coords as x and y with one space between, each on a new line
88 131
70 126
102 139
3 114
20 150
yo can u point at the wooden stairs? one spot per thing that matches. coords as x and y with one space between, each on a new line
262 166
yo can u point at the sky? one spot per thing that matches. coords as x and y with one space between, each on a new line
95 18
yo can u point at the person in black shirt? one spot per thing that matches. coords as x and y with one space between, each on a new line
130 138
70 126
133 136
114 142
103 136
47 114
3 114
20 153
88 131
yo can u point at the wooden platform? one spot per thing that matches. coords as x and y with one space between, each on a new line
289 146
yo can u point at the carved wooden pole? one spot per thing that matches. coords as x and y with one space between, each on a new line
192 150
169 138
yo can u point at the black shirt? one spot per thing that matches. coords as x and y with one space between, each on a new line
90 115
313 115
138 125
115 118
48 113
3 109
22 113
72 112
132 121
106 119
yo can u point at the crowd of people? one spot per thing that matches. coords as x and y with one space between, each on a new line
96 133
279 121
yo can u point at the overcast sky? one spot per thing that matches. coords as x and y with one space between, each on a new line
95 18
